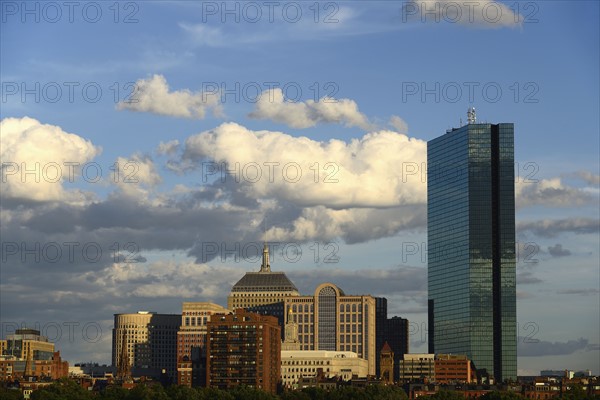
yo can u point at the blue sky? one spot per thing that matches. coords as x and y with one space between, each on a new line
359 85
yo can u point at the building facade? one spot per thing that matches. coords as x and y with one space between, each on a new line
146 343
191 342
417 368
386 362
396 336
450 369
12 368
333 321
471 246
296 365
27 344
243 348
380 322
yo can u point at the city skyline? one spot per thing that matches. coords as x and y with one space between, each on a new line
152 98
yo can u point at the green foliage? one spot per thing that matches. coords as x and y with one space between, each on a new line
577 392
501 395
246 393
144 392
63 389
294 395
10 394
444 395
176 392
114 393
315 393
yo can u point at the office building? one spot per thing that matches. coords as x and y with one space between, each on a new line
191 342
471 246
396 336
243 348
333 321
417 368
454 369
27 344
145 343
380 322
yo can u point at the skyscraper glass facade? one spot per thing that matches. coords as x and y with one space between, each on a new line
471 246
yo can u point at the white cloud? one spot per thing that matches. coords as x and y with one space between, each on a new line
153 95
272 105
487 14
169 147
365 172
554 227
588 177
51 154
549 192
135 176
398 124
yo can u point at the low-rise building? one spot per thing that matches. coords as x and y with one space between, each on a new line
451 368
417 368
298 364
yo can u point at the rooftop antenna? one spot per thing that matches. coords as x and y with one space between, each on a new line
471 117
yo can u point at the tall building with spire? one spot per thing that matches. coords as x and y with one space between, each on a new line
264 291
471 245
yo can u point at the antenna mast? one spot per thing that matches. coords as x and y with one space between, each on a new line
471 117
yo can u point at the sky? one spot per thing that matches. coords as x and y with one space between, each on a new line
149 148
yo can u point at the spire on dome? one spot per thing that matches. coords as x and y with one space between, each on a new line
265 267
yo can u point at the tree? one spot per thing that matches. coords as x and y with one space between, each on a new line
114 393
144 392
501 395
247 393
445 395
10 394
176 392
63 389
294 395
382 392
214 394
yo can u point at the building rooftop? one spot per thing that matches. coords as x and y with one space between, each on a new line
264 280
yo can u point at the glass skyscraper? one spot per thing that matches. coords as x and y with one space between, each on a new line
471 246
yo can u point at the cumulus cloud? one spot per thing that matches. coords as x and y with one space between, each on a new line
154 96
52 155
558 251
549 192
487 14
354 225
551 228
273 106
168 148
135 176
365 172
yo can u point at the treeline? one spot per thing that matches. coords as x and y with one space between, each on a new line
66 389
